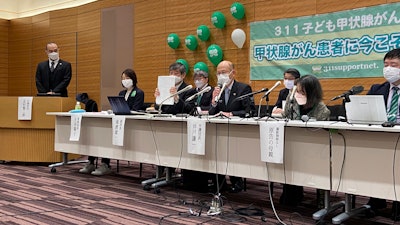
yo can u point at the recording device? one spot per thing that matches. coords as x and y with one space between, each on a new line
273 87
207 89
172 95
353 91
250 94
306 118
220 93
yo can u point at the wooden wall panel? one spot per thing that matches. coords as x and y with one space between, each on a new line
4 28
153 21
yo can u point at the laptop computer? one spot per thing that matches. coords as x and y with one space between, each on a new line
366 109
118 105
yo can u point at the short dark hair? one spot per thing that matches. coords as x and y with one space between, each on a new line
312 87
178 66
293 71
131 74
392 54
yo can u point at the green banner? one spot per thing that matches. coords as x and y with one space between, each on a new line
344 44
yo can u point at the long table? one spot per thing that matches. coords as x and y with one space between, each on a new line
313 156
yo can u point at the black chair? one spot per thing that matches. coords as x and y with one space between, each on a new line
337 111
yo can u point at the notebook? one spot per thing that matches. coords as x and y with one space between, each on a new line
366 109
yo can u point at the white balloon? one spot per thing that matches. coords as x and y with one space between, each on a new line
238 37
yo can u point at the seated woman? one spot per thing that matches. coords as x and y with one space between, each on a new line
135 98
306 103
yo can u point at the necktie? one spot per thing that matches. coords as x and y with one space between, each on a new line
394 105
52 67
227 92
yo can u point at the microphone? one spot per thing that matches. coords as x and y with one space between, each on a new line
175 94
292 94
207 89
273 87
220 93
250 94
353 91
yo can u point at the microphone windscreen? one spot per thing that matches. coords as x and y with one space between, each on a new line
305 118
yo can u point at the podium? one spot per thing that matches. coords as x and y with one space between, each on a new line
30 140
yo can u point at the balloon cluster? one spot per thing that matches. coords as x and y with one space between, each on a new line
214 52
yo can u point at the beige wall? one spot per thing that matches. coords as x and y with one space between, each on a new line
77 31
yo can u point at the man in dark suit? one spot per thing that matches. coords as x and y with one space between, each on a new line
201 102
290 76
53 76
228 106
177 70
390 91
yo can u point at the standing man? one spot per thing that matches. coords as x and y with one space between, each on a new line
53 75
228 106
390 92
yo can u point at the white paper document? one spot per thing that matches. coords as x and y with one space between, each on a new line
118 130
76 121
196 139
164 85
272 137
25 108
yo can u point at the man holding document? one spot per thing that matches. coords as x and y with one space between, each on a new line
166 93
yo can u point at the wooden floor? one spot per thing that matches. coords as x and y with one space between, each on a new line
30 194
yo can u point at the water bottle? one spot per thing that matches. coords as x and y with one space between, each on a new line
78 105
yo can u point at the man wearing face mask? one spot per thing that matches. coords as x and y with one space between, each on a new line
390 92
177 70
226 104
201 102
53 75
289 78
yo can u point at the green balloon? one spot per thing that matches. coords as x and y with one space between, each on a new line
173 40
218 19
214 54
203 32
237 10
185 63
191 42
200 66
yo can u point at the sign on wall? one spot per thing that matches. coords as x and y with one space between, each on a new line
343 44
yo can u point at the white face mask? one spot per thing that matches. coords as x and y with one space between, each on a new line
53 56
391 74
300 99
178 79
199 84
223 78
289 84
127 83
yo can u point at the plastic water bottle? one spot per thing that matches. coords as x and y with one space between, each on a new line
78 105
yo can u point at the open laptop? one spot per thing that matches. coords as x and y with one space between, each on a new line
366 109
120 107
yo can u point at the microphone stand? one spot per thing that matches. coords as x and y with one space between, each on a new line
267 114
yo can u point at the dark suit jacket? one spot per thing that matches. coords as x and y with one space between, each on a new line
57 81
282 97
380 89
135 99
240 108
178 107
205 101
